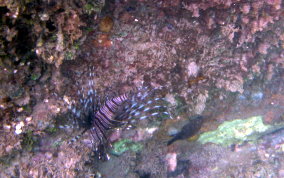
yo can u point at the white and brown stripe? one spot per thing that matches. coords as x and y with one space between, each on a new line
104 117
109 109
116 111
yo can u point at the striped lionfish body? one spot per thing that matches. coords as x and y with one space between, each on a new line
98 117
105 117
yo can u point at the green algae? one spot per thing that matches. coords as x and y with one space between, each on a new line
235 132
124 145
35 76
29 141
89 8
51 130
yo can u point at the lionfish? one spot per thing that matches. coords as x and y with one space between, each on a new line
97 115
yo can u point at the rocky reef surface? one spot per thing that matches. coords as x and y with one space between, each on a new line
223 60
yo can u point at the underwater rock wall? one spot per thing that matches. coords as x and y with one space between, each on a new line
220 59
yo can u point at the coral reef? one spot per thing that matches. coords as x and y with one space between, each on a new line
49 29
220 59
